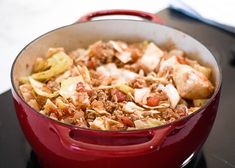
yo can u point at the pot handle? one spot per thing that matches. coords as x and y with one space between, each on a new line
157 138
146 15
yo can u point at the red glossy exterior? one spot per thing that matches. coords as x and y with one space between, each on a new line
61 146
186 138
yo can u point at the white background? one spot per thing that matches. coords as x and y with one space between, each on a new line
21 21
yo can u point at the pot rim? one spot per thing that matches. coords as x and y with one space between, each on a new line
216 92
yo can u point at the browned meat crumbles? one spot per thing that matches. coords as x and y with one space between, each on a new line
117 86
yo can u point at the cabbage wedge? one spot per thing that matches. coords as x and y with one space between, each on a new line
58 63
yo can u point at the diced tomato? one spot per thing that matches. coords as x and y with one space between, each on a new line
91 64
153 101
52 110
120 95
90 92
127 121
81 88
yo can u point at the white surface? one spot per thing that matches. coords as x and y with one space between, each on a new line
23 20
218 13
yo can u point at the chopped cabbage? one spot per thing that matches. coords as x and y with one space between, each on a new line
69 85
147 123
141 95
193 109
98 123
151 58
205 70
117 45
50 107
124 88
122 75
27 92
190 83
52 51
103 123
41 89
131 107
40 65
123 55
59 63
84 72
199 102
169 63
34 104
195 65
171 93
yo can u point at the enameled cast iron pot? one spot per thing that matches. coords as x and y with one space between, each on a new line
60 145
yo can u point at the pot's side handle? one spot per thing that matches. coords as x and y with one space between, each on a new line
146 15
158 137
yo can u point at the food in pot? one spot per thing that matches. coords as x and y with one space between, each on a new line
117 86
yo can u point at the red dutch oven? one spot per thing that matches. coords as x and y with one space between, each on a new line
60 145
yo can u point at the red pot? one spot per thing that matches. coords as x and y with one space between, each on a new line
60 145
